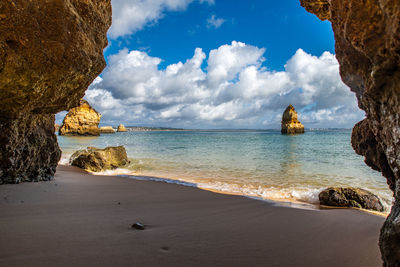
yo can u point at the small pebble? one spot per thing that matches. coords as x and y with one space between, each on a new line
138 226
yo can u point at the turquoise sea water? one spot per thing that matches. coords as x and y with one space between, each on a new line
264 164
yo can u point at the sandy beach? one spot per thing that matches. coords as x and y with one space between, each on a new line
83 220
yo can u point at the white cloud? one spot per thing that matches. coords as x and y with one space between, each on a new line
233 90
130 16
214 22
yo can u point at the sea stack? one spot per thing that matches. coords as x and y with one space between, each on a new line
290 123
81 120
121 128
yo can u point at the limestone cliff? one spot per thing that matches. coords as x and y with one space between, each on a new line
81 120
290 123
50 51
121 128
367 35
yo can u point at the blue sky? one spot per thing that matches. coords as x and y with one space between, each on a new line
219 64
281 27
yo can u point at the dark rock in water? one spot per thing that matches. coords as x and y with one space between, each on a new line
138 226
96 159
50 52
368 50
350 197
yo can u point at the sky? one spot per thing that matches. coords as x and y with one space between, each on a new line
219 64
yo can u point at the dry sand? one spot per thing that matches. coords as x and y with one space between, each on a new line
84 220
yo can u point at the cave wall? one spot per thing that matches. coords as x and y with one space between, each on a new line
367 35
50 52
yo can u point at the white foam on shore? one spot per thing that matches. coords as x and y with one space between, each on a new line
64 160
306 195
115 172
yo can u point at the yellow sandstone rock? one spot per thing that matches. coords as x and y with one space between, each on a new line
290 123
121 128
107 130
95 159
81 120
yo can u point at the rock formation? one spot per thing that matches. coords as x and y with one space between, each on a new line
81 120
367 35
121 128
95 159
56 127
290 123
50 52
107 130
350 197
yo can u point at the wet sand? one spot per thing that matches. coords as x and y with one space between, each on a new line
85 220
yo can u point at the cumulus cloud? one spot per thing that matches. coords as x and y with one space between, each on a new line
131 16
228 88
214 22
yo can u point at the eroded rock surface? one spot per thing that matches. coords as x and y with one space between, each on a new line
121 128
290 123
350 197
107 130
81 120
367 35
96 159
50 51
29 149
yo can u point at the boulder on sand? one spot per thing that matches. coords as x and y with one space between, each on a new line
350 197
95 159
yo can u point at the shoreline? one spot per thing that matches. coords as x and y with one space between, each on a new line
286 202
84 220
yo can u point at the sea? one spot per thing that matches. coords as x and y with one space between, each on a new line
256 163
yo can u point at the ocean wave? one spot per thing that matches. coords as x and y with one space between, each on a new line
306 195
